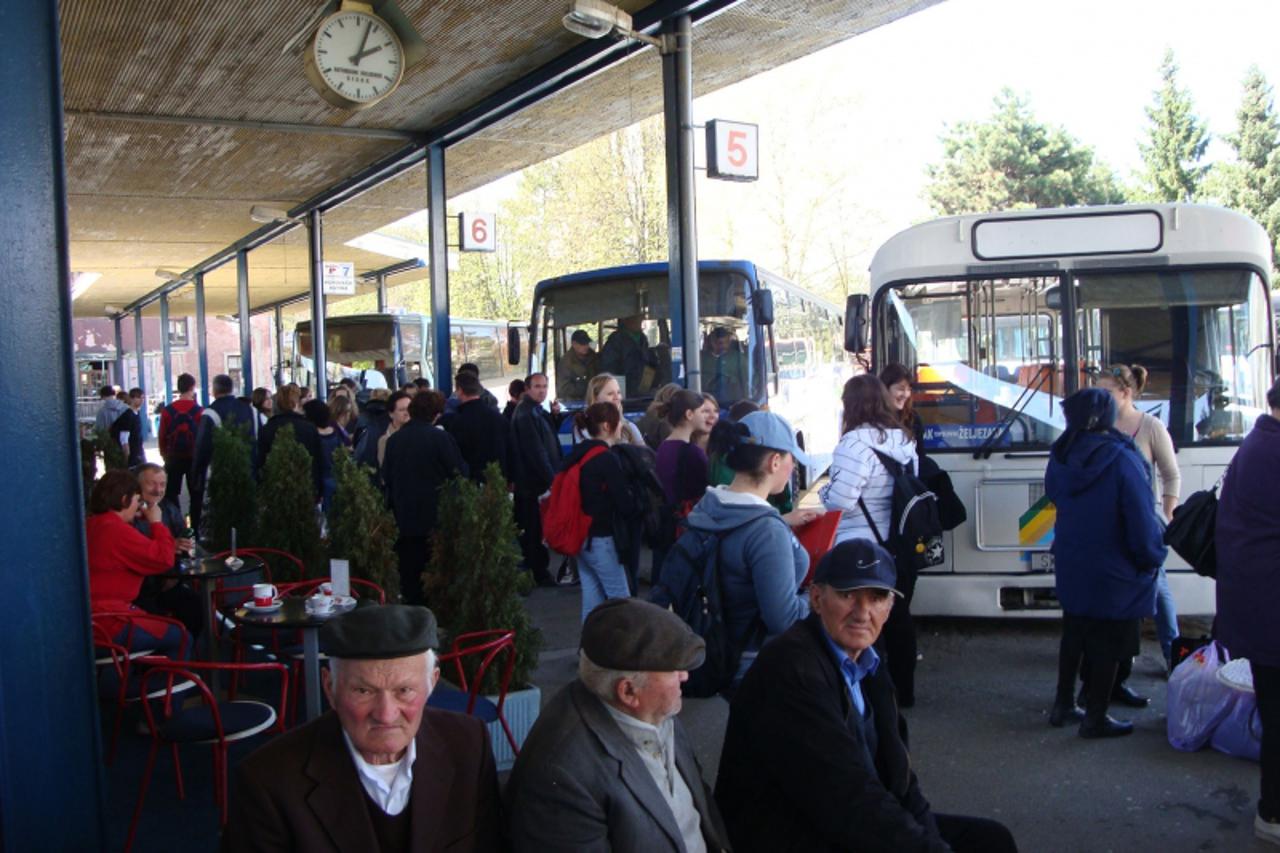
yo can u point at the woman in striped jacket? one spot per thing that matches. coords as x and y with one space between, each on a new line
861 488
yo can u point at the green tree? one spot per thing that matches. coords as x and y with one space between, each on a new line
471 582
1012 161
1177 141
287 508
361 528
1252 183
232 492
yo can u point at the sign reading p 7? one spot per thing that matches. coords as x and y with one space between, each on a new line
733 150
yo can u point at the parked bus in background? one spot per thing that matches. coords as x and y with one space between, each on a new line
389 350
762 339
1002 315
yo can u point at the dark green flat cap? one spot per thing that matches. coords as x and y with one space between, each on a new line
632 635
380 632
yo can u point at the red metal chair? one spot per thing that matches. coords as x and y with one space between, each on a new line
119 678
212 722
487 646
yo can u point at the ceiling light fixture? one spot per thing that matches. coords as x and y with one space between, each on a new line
595 19
168 275
82 281
267 214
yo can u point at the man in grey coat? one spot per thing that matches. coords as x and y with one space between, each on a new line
607 766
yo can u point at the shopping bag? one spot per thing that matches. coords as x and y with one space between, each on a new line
1240 732
1198 701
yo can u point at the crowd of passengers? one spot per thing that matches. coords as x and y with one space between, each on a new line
815 754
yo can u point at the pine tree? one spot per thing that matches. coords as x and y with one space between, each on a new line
1252 183
232 494
1177 143
1011 161
471 582
361 528
287 508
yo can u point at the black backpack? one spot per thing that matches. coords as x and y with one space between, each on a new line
692 588
639 468
1191 532
915 535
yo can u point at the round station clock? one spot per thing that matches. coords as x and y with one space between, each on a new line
354 59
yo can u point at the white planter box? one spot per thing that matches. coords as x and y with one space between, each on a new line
520 710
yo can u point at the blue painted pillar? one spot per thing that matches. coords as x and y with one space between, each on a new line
439 269
315 246
116 323
280 365
50 750
246 325
202 342
139 351
166 353
682 228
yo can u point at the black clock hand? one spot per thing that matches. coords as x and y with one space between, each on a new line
356 59
360 54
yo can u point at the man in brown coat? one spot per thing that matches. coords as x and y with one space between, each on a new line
381 771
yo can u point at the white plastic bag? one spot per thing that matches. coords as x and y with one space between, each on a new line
1198 701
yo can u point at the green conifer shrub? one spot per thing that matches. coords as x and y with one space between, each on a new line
472 582
287 509
231 494
361 528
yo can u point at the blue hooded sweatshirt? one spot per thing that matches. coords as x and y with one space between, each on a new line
1107 543
761 565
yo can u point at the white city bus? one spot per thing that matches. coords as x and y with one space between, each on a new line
1002 315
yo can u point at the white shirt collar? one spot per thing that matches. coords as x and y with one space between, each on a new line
388 785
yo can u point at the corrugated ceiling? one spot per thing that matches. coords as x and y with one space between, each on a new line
153 179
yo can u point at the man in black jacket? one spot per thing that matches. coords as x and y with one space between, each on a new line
226 409
815 756
537 449
419 459
482 433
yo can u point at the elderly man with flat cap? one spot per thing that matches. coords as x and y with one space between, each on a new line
607 766
815 756
381 771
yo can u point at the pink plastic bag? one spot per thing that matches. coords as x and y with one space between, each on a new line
1198 702
1240 732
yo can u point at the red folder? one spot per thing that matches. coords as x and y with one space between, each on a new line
817 537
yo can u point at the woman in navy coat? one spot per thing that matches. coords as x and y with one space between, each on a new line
1248 623
1107 546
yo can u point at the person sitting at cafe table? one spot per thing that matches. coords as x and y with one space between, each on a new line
381 771
164 595
120 557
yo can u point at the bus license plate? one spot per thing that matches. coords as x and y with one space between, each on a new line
1041 561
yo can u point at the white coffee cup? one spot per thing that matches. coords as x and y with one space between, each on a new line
321 603
326 589
264 594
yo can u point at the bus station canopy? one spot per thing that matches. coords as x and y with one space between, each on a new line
180 116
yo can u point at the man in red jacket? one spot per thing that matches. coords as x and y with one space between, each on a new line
179 422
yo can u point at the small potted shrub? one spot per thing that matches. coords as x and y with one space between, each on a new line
231 493
361 528
287 516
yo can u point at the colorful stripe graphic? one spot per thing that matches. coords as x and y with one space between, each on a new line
1035 526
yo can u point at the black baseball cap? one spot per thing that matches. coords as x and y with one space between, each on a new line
580 337
857 564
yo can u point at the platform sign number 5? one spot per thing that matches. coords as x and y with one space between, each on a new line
733 150
478 231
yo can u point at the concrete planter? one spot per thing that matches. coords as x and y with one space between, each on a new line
521 710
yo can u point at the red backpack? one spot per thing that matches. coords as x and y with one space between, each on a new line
564 525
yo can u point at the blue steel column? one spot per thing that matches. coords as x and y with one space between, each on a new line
166 352
382 293
116 323
280 346
202 341
246 322
682 231
438 269
50 750
315 245
139 351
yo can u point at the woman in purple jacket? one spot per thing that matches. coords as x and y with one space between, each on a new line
1248 624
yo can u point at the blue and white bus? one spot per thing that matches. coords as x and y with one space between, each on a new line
1002 315
781 350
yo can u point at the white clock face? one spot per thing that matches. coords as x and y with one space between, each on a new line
358 56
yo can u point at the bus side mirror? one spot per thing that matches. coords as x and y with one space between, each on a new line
856 322
513 345
762 307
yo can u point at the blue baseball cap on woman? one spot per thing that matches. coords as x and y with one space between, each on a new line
773 431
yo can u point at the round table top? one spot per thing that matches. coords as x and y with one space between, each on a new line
215 567
293 613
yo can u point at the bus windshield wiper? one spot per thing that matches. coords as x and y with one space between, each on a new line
1002 428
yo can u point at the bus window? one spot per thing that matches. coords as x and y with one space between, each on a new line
482 349
987 363
1201 334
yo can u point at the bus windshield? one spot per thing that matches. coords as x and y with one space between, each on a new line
357 347
628 321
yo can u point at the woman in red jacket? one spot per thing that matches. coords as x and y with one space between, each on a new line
120 557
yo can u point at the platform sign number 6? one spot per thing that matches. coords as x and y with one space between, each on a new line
478 232
733 150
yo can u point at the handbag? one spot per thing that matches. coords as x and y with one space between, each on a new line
1191 532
